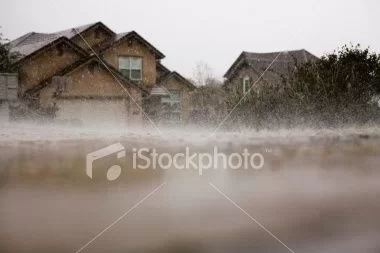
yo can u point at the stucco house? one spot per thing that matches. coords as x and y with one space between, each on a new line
248 67
91 75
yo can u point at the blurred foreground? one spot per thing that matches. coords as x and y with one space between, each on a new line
318 192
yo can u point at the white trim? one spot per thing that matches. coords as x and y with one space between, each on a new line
129 59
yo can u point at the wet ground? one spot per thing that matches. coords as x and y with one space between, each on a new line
318 191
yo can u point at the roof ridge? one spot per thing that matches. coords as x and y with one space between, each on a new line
21 39
274 52
76 27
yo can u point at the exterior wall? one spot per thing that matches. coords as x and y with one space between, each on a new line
123 48
97 84
43 65
236 82
94 37
160 74
173 83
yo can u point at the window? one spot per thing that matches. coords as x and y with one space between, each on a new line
173 99
173 103
61 82
131 67
246 84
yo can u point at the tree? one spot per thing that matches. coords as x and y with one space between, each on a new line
340 88
208 105
350 74
6 57
203 74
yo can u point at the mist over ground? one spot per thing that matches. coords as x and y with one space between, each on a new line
317 191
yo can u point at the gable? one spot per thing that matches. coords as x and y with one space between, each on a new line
43 63
175 81
91 79
97 36
135 36
133 47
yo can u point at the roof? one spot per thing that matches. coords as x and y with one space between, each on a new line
162 68
167 74
282 60
32 42
133 34
70 33
159 90
35 42
181 78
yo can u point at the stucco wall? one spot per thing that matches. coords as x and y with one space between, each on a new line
236 82
97 83
135 48
43 65
94 37
173 83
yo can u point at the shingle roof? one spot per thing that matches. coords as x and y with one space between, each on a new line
31 42
120 35
258 62
69 33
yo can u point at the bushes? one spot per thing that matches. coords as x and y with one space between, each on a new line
208 105
334 91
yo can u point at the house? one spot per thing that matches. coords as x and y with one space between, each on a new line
91 75
276 66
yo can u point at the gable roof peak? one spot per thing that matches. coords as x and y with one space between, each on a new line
134 34
71 32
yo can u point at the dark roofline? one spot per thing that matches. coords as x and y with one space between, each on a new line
51 44
69 69
234 65
99 23
165 69
243 57
134 34
179 76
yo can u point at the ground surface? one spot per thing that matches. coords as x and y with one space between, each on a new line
317 192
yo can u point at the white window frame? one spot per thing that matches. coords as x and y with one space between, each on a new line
129 60
246 82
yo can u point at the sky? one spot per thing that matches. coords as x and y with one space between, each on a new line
208 31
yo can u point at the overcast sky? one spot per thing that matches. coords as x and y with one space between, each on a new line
214 32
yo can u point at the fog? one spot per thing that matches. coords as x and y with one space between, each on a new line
317 192
108 146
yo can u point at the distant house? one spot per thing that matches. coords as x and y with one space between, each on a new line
90 74
249 67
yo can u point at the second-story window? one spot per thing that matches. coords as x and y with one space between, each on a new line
131 67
